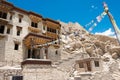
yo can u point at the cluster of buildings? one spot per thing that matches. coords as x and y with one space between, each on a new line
25 35
28 41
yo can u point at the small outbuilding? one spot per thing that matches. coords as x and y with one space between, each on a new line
89 64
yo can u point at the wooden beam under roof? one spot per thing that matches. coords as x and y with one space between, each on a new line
37 39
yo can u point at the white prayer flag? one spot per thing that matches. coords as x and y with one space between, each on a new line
99 18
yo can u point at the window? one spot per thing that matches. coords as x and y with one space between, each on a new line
16 46
43 27
29 52
96 63
33 24
3 15
20 20
51 30
17 78
36 25
19 29
8 30
2 27
0 14
56 52
18 32
11 17
81 65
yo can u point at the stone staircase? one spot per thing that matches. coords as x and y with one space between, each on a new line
67 64
72 57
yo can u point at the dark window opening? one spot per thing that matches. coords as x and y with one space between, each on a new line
0 14
18 32
51 30
34 24
33 53
56 52
20 20
81 65
17 78
3 15
11 17
16 47
29 51
43 27
19 29
2 29
8 30
96 63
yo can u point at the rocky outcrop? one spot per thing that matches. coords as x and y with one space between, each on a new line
76 40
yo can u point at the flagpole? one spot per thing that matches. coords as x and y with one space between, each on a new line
112 20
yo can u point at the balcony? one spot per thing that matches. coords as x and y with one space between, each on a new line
52 35
38 39
3 21
10 22
36 63
34 30
2 35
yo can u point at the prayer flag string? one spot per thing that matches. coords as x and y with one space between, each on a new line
94 23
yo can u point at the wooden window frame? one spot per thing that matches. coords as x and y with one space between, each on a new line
81 65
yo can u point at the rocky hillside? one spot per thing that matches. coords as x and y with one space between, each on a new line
77 43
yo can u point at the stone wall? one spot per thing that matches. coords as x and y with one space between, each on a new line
100 68
44 74
54 54
2 50
11 54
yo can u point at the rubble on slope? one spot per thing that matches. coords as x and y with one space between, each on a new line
76 39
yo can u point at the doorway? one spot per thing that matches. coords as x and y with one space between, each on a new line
88 66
